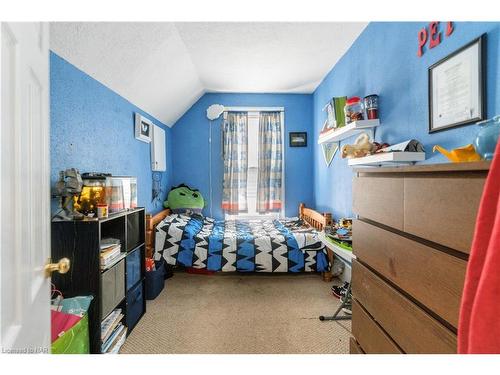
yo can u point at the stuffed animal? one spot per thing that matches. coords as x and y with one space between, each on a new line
361 147
182 198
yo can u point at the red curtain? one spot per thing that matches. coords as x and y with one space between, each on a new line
479 325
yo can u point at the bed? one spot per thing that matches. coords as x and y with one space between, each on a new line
290 245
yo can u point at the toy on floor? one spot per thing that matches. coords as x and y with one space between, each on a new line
182 198
339 291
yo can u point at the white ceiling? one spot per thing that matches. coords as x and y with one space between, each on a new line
163 68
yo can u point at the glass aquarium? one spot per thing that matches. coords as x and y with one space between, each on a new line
122 193
94 192
119 193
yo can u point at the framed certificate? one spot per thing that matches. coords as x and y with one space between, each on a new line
457 87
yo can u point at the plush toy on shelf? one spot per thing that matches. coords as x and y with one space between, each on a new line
361 147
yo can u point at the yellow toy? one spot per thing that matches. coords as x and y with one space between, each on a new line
459 155
361 147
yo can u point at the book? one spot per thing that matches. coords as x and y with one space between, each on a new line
110 252
111 262
331 115
107 324
120 340
115 342
113 326
107 321
109 242
338 109
108 257
112 338
335 114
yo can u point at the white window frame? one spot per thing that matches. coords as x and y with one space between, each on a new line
281 214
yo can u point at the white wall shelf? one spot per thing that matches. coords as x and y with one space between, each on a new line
349 130
390 158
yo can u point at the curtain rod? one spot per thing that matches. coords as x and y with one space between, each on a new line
254 109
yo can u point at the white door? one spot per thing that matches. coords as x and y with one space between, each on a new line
25 188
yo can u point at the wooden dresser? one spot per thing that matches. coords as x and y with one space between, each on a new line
411 239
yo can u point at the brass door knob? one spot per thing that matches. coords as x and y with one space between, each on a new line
61 267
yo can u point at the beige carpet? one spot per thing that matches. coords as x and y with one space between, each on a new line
240 314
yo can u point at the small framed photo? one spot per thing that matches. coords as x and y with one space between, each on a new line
457 87
298 139
143 128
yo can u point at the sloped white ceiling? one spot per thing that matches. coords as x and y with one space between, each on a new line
163 68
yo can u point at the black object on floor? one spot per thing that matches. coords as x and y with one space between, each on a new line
346 303
339 291
155 280
169 270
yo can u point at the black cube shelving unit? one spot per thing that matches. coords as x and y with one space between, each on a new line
79 241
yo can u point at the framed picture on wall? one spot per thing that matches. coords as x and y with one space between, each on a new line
298 139
457 87
143 128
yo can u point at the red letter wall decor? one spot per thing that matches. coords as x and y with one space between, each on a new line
422 38
449 28
433 36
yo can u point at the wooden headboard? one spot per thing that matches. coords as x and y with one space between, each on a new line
151 222
318 221
315 219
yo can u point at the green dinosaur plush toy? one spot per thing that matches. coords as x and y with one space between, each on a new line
182 198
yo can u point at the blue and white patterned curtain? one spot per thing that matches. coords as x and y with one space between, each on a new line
235 147
269 192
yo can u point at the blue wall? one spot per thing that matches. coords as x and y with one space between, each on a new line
190 147
383 61
92 129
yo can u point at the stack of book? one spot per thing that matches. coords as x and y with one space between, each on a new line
113 332
110 251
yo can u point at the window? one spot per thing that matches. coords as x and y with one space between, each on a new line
253 172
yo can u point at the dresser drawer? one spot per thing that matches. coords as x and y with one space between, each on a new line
354 347
432 277
370 336
379 199
443 209
410 327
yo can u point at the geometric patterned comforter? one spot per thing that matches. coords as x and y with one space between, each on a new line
245 246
